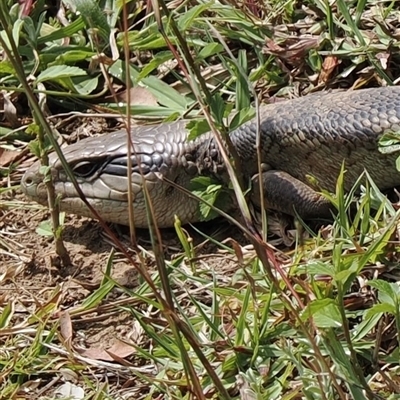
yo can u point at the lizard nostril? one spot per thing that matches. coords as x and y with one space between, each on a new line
28 179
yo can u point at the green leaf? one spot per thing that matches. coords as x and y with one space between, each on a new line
4 131
186 20
366 326
389 142
85 85
6 314
325 313
380 309
73 79
242 85
98 295
16 31
51 34
165 94
387 292
45 229
344 276
210 195
159 59
118 71
73 56
57 72
319 268
93 16
217 107
241 117
209 189
6 68
139 41
315 60
30 29
196 128
17 28
209 50
201 182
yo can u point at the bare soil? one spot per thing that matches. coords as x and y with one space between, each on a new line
31 277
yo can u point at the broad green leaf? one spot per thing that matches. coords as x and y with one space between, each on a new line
210 196
30 29
165 94
197 127
319 268
45 229
217 108
16 33
380 309
325 313
57 72
315 60
118 71
210 190
242 117
201 182
17 27
5 131
343 276
387 292
85 85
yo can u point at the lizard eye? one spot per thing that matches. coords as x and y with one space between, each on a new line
84 169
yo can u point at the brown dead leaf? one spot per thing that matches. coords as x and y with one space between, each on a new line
117 352
11 272
66 329
328 66
238 251
139 96
8 156
364 79
10 111
272 47
383 59
288 51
